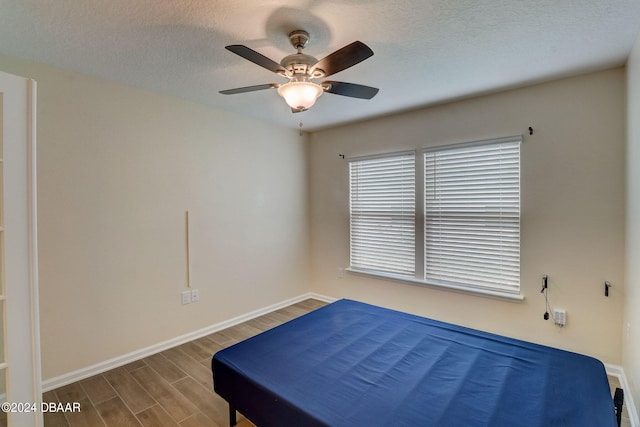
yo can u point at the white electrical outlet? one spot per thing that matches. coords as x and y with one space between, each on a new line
195 295
340 272
560 317
186 297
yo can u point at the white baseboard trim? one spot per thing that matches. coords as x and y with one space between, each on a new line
98 368
319 297
618 372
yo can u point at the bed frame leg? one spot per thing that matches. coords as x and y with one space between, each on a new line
232 416
618 401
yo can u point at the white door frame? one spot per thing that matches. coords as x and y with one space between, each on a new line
24 378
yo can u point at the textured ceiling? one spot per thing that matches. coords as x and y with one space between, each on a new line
426 51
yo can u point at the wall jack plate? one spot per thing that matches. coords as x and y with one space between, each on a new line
186 297
560 317
195 295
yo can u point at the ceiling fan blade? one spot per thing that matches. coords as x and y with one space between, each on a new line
350 89
255 57
249 89
343 58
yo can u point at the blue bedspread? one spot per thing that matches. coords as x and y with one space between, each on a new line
354 364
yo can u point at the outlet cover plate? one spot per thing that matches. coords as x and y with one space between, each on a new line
186 297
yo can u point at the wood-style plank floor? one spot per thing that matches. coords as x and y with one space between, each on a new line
171 388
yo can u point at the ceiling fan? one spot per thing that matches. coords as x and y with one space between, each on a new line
301 92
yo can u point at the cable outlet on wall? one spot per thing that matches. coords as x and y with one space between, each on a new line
560 317
186 297
195 295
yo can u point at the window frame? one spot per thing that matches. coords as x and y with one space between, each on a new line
507 212
397 269
420 234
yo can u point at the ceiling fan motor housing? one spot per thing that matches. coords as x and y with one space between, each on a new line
298 63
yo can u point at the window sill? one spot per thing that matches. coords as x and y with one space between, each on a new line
443 286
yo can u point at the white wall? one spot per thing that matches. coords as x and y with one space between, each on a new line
572 208
631 342
117 169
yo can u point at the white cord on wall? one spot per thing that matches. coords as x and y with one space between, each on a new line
188 255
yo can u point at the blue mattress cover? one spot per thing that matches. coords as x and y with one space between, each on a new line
354 364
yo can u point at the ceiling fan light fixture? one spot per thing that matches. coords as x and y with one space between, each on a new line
300 95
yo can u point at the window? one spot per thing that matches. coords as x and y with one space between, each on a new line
382 211
472 215
470 199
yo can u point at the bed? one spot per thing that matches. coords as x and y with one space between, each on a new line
355 364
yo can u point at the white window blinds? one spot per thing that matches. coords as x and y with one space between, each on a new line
382 210
472 215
